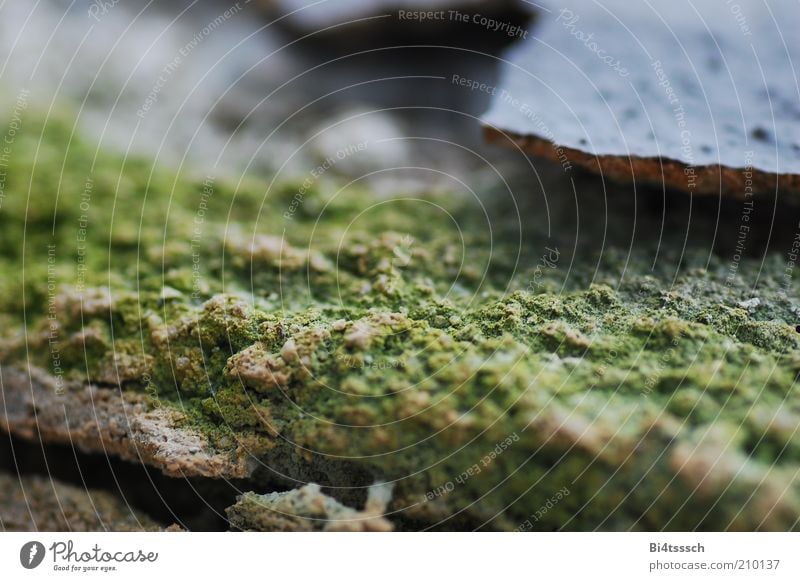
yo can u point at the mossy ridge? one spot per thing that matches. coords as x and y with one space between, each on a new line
369 342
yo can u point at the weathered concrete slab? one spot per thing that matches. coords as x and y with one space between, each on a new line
112 422
309 509
702 95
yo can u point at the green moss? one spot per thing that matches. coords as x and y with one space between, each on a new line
373 333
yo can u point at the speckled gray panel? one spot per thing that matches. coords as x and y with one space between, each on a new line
700 82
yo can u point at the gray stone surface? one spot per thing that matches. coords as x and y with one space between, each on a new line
701 83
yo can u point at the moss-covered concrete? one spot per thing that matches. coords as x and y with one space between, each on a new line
412 341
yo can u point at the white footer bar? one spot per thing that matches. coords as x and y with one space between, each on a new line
399 556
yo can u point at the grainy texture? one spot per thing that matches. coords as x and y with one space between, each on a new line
691 94
37 503
109 422
344 339
308 509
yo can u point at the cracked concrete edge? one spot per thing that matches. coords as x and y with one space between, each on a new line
42 504
708 179
309 509
111 421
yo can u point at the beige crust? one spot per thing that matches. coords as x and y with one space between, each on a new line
708 179
111 421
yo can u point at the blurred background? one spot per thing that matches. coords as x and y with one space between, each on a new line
273 88
261 86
